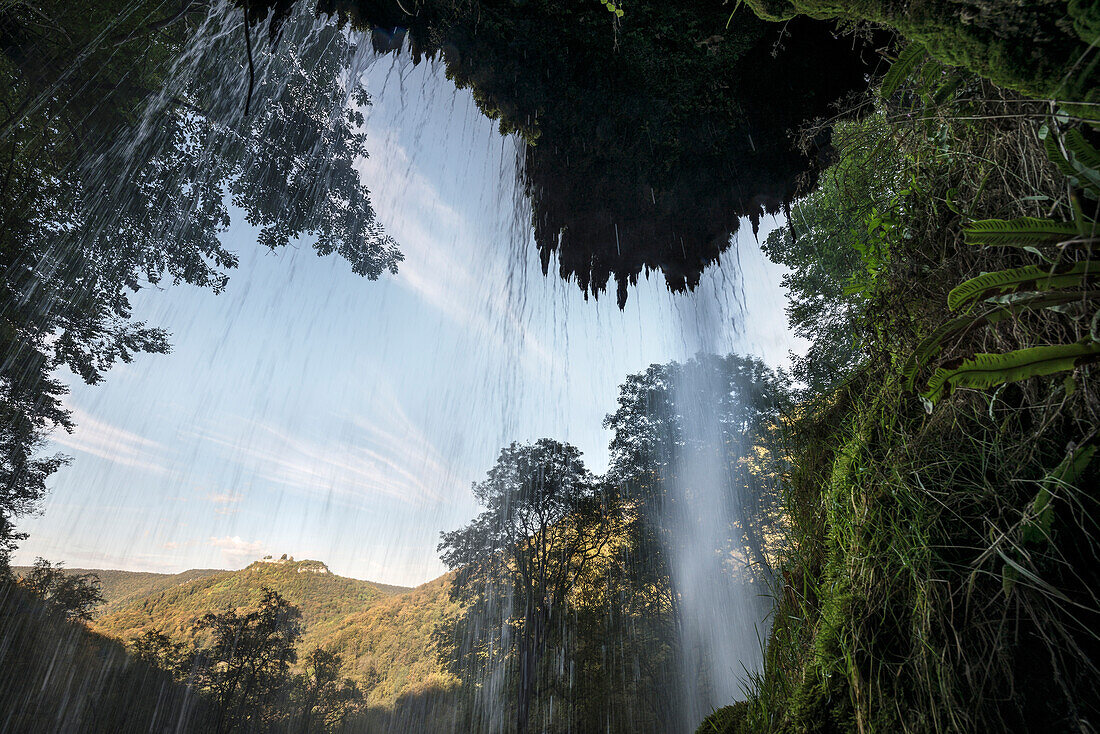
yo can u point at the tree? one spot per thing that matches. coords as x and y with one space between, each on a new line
652 442
546 520
72 596
246 668
322 698
836 245
159 650
124 141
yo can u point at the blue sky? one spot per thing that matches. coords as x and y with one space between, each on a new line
311 412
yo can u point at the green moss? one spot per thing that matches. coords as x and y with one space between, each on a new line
1039 48
726 720
893 614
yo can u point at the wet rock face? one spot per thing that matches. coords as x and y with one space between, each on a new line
649 137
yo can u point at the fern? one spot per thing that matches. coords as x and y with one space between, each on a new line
909 59
1054 152
1085 159
1083 154
1036 527
989 370
1018 232
1082 167
947 90
1030 278
932 344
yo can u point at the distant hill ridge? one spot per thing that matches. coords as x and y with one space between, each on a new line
382 631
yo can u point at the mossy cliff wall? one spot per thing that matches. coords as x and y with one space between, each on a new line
1042 49
649 136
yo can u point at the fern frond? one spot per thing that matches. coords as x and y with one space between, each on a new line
933 344
1030 278
1083 154
1054 153
948 88
1040 517
990 370
1020 232
909 59
1085 159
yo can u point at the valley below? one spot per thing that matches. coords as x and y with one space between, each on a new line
383 633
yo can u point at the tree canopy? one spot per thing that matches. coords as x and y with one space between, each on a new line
248 660
125 137
72 596
546 520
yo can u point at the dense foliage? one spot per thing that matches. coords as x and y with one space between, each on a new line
71 596
1045 49
940 571
239 666
125 142
545 523
382 633
245 673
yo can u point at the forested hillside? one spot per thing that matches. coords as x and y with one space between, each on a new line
118 587
309 585
382 632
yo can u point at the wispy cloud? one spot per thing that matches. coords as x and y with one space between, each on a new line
380 455
224 502
445 263
235 550
117 445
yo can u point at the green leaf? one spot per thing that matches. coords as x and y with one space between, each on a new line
948 88
932 344
1054 153
1029 278
1074 465
1018 232
1085 161
989 370
910 58
1036 529
950 201
1084 155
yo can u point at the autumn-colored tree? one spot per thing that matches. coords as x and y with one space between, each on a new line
246 668
546 519
73 596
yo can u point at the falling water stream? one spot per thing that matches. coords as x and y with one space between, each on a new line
508 354
722 612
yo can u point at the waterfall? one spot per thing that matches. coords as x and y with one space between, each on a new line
721 609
